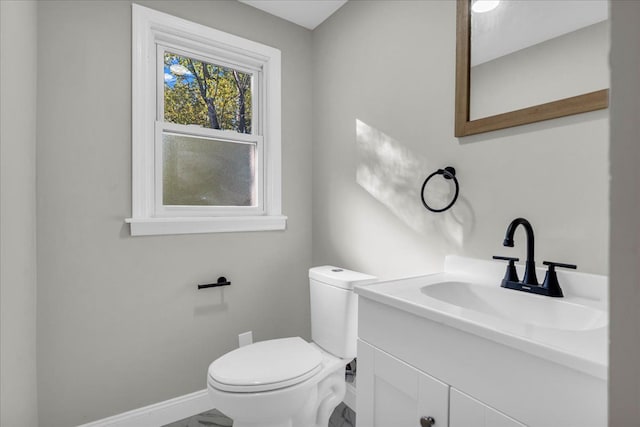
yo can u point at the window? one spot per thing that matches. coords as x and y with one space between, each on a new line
206 129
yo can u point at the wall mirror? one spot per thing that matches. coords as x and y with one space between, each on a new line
526 61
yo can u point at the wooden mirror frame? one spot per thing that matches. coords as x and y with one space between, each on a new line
464 126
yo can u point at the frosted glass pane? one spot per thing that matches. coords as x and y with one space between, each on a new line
207 172
206 94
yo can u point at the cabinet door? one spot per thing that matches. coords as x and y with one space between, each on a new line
469 412
391 393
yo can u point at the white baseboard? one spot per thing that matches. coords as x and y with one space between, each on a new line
159 414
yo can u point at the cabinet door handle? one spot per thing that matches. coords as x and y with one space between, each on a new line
427 421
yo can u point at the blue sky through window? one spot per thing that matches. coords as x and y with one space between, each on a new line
175 70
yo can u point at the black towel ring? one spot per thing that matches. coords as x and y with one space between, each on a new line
448 173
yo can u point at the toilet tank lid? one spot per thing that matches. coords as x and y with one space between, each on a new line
340 277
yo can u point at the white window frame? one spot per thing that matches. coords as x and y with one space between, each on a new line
153 33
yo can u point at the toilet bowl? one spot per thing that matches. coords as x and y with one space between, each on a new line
280 395
289 382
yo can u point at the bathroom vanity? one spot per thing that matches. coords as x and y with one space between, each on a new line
455 349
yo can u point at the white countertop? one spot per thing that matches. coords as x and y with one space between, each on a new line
580 348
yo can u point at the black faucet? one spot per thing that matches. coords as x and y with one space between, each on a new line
550 287
530 265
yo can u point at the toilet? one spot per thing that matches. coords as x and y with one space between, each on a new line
290 382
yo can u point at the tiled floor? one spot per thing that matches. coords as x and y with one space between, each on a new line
342 416
212 418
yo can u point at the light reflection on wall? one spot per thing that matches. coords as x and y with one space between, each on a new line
393 175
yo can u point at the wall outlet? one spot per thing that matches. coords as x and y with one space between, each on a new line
245 338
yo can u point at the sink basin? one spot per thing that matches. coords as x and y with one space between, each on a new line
540 311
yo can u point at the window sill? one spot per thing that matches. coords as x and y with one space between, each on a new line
196 225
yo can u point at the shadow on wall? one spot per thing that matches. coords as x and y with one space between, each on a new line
393 175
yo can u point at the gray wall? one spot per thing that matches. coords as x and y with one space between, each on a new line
624 372
120 323
391 65
18 397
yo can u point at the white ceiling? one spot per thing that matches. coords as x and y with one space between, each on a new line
307 13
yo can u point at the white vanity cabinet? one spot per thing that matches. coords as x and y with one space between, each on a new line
465 411
393 393
457 347
411 367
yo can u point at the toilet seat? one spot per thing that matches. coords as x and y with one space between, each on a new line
265 365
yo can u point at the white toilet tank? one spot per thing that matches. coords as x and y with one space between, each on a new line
334 308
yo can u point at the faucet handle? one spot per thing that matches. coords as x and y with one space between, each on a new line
551 279
552 265
511 274
506 258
